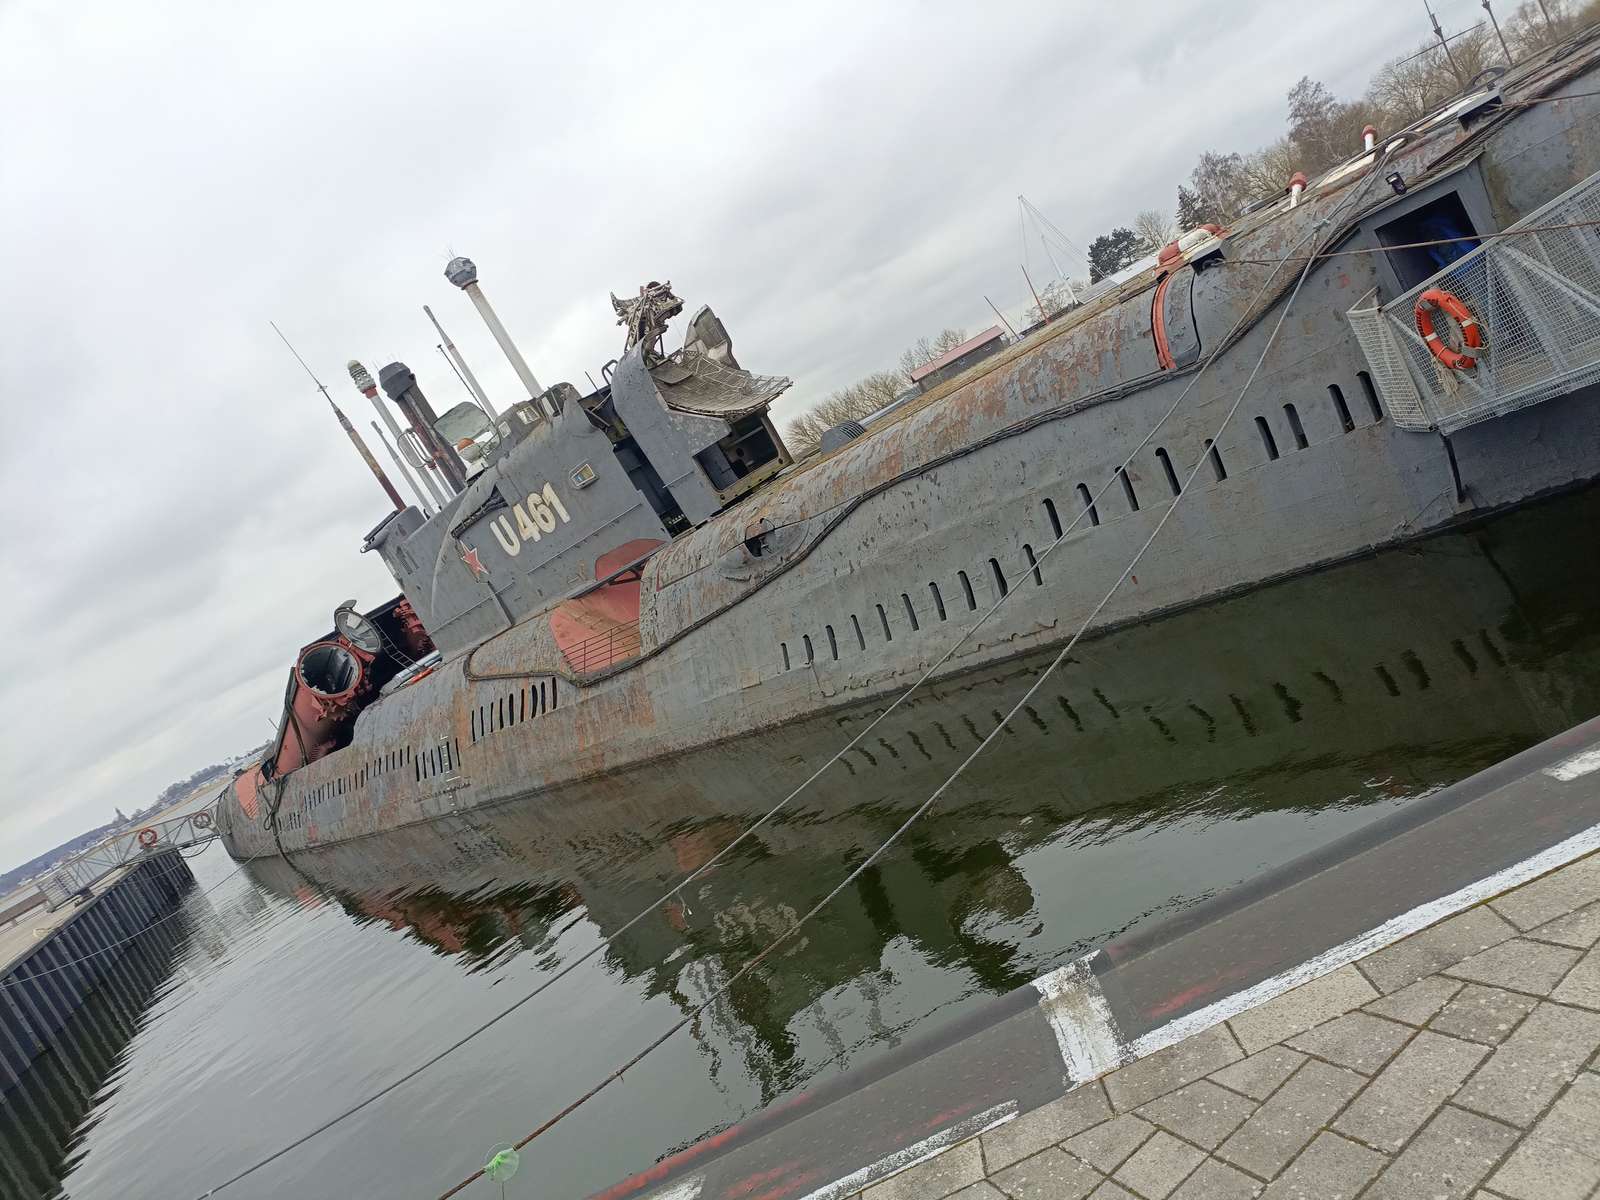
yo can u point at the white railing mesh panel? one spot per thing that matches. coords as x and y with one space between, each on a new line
1536 293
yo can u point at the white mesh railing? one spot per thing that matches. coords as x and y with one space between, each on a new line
1536 295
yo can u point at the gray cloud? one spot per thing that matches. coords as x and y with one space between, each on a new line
181 511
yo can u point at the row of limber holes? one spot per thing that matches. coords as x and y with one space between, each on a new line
510 709
513 708
1085 497
429 763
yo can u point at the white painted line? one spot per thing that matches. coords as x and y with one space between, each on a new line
684 1189
1085 1030
1407 923
1576 766
929 1147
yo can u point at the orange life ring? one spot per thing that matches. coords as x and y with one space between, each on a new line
148 837
1464 359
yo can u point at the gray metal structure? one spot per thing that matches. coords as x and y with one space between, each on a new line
640 578
73 877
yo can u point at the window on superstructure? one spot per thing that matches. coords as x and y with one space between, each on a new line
883 619
784 646
938 600
833 643
810 656
966 592
861 638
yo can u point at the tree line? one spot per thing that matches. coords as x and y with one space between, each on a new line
867 395
1324 130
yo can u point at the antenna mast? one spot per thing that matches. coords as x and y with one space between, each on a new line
355 438
1046 229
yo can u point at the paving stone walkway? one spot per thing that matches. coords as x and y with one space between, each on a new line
1462 1063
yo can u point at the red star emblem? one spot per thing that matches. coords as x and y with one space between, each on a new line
470 557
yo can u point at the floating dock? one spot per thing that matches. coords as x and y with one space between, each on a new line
52 962
1413 1010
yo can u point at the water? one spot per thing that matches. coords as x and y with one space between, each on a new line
1163 765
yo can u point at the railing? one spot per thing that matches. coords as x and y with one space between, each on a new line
1536 295
86 868
607 649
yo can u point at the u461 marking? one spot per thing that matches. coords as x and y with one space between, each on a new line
539 515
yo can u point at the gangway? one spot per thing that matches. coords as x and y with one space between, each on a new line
74 878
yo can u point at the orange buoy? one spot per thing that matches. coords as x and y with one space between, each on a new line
1464 359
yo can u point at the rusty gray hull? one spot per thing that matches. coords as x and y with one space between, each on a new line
1160 708
879 556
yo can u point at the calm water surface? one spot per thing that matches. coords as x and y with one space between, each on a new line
1162 765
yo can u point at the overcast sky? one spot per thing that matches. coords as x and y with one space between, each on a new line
181 513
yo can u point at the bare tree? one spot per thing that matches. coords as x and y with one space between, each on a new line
861 399
1323 131
1217 187
1529 31
1409 88
1155 229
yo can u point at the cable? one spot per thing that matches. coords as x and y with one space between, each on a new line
1061 657
1245 318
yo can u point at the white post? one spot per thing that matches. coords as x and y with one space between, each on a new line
1297 184
464 274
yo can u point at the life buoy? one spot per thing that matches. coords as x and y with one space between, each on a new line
1464 359
148 837
202 820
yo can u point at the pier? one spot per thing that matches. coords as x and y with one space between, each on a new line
53 961
1413 1010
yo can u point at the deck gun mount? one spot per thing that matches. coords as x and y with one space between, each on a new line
667 443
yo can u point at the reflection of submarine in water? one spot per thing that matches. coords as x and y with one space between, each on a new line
1386 677
41 1134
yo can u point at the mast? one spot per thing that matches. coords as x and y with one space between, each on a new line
364 384
460 364
355 438
463 272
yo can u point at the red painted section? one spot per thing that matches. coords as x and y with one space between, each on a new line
317 719
1158 325
674 1162
599 629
